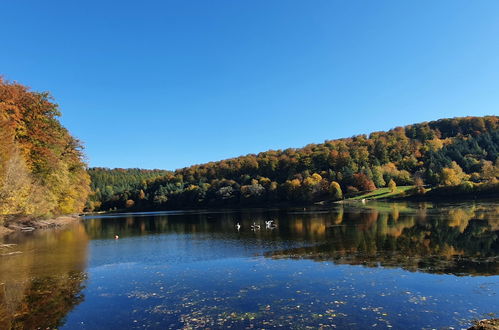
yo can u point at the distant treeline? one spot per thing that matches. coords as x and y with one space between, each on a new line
42 172
456 152
108 183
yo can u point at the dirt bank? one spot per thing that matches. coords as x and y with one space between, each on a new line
5 230
30 224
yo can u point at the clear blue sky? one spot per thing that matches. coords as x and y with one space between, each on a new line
167 84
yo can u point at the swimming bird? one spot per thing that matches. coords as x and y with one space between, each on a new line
255 226
270 224
238 226
116 237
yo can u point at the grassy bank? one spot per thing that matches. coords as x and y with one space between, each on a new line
464 191
382 193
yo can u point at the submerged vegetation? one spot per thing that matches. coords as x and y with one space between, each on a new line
42 172
457 156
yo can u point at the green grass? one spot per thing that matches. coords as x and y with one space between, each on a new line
383 193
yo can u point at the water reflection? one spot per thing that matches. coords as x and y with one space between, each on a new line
456 239
449 240
42 275
195 269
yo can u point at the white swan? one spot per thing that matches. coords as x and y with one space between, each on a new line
238 226
270 224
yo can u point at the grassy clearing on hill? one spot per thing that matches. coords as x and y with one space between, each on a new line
383 193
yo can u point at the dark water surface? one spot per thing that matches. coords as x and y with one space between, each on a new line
398 266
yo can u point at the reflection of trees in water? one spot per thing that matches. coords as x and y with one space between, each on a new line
449 240
46 302
416 236
39 287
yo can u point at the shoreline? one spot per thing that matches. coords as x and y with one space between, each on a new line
31 224
349 200
485 324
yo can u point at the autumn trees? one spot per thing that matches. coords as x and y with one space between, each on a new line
453 175
335 190
42 170
439 153
392 185
41 165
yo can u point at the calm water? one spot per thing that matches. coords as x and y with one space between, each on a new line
377 265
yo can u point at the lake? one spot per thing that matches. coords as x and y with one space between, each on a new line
378 265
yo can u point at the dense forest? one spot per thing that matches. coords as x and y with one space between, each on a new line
107 183
447 156
42 172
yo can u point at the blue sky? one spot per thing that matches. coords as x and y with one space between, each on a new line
167 84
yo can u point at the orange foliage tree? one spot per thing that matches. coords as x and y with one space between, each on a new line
42 171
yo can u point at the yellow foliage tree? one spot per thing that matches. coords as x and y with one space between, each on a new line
392 185
335 190
453 176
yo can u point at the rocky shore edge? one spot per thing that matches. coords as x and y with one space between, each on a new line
486 324
30 224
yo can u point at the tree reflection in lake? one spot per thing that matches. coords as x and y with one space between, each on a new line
41 277
349 266
449 239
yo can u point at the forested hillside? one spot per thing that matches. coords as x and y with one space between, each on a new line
461 153
42 172
108 183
